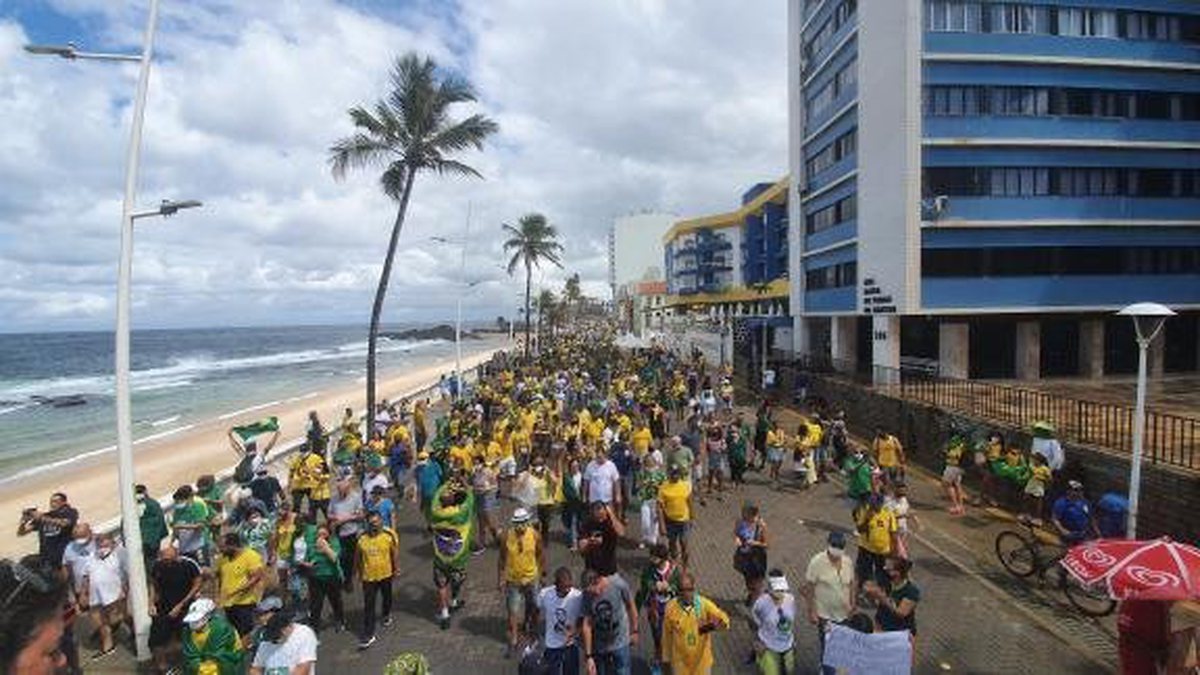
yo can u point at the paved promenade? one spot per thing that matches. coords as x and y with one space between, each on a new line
972 618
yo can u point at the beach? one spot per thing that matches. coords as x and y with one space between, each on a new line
165 463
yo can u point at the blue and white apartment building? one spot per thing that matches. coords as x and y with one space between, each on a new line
734 264
980 185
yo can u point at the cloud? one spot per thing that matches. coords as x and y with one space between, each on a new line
605 108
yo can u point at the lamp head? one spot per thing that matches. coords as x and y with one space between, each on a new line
1148 318
67 51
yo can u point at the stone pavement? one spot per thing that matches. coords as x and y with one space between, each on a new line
963 626
972 618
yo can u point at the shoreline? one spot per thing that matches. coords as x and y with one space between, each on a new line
178 457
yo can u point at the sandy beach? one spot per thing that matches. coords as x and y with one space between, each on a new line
166 463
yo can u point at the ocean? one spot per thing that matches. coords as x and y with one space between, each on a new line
179 379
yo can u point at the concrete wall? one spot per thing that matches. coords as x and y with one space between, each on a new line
1170 498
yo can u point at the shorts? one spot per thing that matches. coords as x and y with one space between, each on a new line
520 597
775 455
952 475
445 575
718 462
487 501
1035 488
677 530
698 472
164 629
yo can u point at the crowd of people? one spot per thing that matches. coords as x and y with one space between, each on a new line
584 446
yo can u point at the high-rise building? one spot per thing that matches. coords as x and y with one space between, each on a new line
977 186
635 249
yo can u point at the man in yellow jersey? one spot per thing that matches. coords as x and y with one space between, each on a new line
521 567
889 454
675 512
688 624
377 559
641 438
240 573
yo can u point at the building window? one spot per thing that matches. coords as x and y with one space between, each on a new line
970 101
1047 261
1062 181
841 211
822 38
1081 22
1007 18
953 16
842 147
834 276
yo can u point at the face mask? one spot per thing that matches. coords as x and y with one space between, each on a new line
103 551
255 519
82 541
835 552
140 498
200 626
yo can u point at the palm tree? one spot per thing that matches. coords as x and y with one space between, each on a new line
546 305
406 133
572 295
532 241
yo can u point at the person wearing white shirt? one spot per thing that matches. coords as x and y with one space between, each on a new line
288 648
76 557
105 584
561 607
774 614
600 479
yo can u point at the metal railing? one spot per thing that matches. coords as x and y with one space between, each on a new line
1170 439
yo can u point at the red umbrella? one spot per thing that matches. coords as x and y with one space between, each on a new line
1159 569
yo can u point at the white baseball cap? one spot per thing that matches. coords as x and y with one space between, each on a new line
199 610
777 584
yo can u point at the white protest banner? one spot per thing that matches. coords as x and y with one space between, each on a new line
855 653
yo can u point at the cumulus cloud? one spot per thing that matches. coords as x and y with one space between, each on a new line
605 108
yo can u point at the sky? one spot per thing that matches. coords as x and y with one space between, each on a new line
605 109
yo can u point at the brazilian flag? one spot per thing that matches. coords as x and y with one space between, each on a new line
453 527
248 431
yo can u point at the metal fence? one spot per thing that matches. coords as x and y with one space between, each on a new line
1169 439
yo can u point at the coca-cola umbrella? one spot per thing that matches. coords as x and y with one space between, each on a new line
1157 569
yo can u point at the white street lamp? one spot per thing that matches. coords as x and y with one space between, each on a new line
138 594
1148 320
71 51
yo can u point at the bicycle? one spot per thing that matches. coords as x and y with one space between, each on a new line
1025 555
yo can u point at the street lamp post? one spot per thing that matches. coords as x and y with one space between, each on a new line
138 594
1148 320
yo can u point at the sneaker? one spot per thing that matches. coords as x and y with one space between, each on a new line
340 628
366 642
104 653
387 621
444 622
457 604
478 552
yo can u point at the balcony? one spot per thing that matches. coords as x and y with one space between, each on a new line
1068 208
1104 130
1060 46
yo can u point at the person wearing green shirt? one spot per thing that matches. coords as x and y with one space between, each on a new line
735 441
858 476
321 556
211 645
152 523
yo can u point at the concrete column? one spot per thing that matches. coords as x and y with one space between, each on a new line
1029 350
885 348
843 346
801 335
1091 348
954 350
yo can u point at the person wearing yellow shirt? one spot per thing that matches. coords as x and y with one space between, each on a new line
641 439
240 574
398 433
675 512
522 566
460 453
377 560
877 529
889 454
420 433
776 440
688 624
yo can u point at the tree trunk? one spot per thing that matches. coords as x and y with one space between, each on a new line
528 281
380 294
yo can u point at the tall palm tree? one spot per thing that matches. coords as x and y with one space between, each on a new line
545 309
532 241
407 132
572 294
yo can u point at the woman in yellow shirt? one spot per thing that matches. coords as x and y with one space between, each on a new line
688 624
